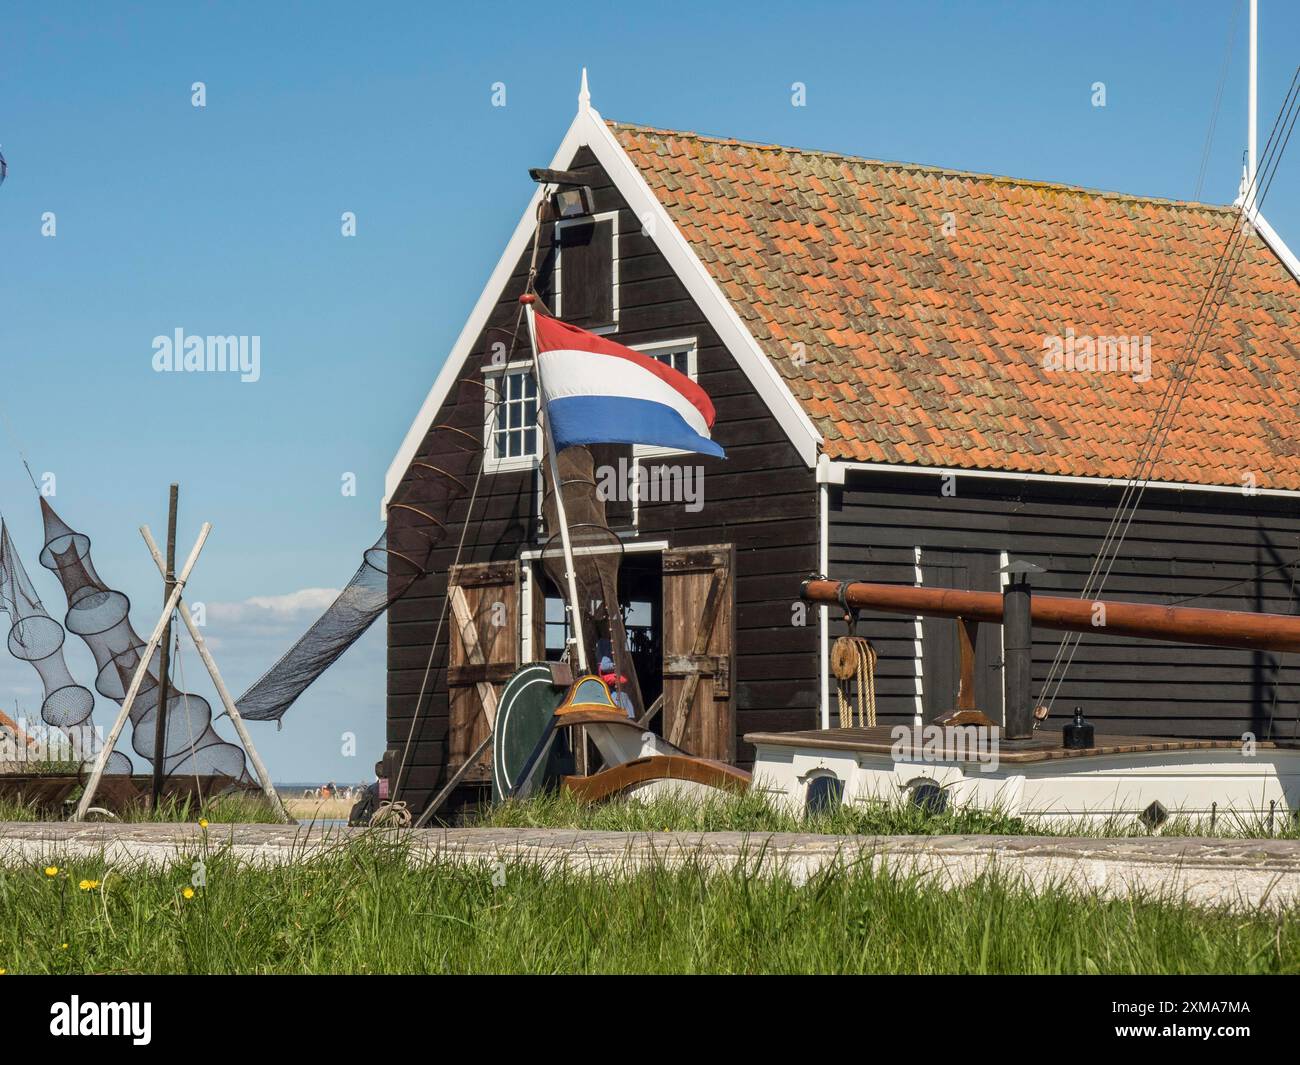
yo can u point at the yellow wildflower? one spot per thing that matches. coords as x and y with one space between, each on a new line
88 885
51 870
63 946
203 822
188 893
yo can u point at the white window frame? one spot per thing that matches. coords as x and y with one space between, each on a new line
515 463
659 347
604 216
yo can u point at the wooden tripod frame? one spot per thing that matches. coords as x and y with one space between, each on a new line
142 670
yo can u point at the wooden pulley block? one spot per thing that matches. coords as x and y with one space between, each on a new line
844 658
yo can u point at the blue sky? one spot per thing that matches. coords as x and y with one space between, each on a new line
226 220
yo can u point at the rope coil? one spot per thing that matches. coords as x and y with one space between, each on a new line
391 815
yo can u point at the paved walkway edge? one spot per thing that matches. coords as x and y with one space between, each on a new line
1243 874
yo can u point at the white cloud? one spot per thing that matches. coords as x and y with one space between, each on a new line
277 607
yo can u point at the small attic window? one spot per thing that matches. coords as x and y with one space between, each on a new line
586 272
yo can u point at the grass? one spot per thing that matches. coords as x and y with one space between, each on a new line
748 812
225 809
753 812
364 907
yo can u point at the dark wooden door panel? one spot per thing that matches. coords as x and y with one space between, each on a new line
484 643
700 650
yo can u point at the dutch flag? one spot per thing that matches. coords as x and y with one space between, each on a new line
599 392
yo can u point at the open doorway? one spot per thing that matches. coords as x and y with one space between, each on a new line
640 594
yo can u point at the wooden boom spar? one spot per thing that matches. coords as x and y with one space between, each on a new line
1175 624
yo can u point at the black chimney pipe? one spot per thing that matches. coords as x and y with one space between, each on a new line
1017 651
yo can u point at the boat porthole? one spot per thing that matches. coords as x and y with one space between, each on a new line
825 793
926 795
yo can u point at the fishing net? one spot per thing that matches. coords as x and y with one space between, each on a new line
437 479
363 599
36 638
597 555
100 616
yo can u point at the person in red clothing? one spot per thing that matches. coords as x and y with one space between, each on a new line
615 680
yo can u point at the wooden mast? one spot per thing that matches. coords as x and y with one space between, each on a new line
1175 624
560 516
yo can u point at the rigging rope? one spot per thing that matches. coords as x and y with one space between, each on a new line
1179 382
1218 98
464 529
400 778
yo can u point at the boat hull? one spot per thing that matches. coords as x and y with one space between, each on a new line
1123 782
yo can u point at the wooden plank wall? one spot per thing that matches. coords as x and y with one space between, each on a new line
1182 546
762 499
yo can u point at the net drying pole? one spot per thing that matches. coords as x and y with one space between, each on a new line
263 777
164 656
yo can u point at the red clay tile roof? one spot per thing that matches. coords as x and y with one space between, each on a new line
925 348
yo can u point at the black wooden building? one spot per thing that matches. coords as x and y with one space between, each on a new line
919 374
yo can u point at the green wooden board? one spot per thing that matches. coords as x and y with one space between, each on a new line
523 711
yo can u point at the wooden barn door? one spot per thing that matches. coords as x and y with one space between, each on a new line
484 646
699 620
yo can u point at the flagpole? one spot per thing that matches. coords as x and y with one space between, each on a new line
560 516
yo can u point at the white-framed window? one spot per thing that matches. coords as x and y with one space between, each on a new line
682 356
604 230
513 437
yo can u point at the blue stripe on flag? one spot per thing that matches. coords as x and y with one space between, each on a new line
620 420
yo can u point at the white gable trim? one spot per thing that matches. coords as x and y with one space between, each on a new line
589 129
1276 243
717 308
477 320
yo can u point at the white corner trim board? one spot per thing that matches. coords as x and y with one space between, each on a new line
588 129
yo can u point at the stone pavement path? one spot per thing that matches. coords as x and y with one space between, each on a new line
1247 874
